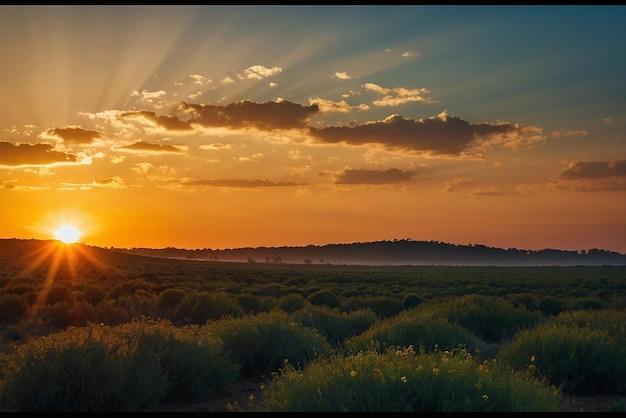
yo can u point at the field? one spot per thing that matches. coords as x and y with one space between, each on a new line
219 336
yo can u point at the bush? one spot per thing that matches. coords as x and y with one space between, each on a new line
411 301
291 302
489 317
406 381
418 330
383 306
261 343
580 358
336 326
197 308
12 308
588 303
102 368
168 300
324 298
550 305
94 295
252 304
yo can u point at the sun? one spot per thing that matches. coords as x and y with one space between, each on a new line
67 234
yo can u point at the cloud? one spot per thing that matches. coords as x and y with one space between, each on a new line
362 176
342 76
170 123
491 191
456 183
150 147
328 106
74 135
594 169
249 114
438 135
259 71
216 146
33 154
109 183
239 183
200 79
397 96
154 98
559 133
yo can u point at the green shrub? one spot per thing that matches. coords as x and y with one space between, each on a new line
383 306
64 314
587 303
550 305
406 381
291 302
418 330
197 308
606 319
525 299
489 317
94 295
108 313
324 297
12 308
252 304
411 301
581 359
102 368
168 300
261 343
333 324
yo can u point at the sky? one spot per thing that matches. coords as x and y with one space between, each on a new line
246 126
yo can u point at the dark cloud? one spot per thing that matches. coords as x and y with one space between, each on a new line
74 135
249 114
171 123
238 183
594 169
147 146
390 176
32 154
439 135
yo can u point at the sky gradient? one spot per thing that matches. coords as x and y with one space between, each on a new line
245 126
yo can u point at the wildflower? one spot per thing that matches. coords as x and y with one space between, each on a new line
353 373
403 379
251 397
435 370
485 397
532 358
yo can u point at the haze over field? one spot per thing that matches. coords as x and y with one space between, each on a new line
247 126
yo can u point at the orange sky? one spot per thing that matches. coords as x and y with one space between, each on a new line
222 127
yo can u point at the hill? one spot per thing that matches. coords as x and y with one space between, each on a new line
396 252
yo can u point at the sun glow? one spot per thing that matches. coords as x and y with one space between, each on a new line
67 234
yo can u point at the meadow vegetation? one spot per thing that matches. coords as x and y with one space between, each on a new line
89 329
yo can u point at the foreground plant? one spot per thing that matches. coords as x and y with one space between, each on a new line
407 381
129 367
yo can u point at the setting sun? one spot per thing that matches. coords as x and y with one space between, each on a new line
67 234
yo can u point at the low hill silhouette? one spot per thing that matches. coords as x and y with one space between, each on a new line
395 252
